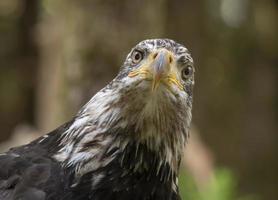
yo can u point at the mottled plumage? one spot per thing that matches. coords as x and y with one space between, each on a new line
125 143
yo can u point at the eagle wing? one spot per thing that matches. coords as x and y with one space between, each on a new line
29 176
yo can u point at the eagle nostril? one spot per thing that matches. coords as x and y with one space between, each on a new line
170 59
154 55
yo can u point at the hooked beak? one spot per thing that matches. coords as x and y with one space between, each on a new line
159 67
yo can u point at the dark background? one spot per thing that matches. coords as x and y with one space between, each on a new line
54 55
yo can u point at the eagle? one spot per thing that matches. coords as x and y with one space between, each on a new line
125 143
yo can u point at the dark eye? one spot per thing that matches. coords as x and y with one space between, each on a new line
186 72
137 56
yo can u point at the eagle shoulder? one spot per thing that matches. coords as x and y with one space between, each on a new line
29 174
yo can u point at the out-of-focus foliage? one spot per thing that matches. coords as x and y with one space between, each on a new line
223 186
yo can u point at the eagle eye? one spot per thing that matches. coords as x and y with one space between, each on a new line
186 72
137 56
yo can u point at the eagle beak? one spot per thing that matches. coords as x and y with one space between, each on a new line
160 66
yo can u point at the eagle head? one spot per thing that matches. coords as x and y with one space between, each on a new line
155 92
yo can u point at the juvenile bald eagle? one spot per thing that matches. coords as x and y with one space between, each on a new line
126 143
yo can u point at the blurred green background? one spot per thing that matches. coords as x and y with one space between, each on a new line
54 55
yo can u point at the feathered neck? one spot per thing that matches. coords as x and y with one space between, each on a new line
123 122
